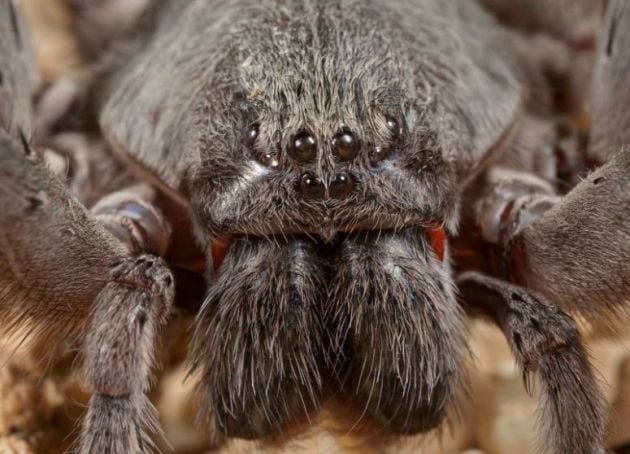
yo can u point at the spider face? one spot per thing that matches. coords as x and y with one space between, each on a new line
329 199
369 169
320 141
328 178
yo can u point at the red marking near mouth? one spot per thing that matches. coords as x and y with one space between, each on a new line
435 235
219 248
437 240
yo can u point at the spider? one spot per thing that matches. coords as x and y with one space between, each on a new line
326 174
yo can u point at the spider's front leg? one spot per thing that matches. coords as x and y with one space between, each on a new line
545 340
119 346
578 252
98 23
73 281
400 332
611 86
258 340
575 249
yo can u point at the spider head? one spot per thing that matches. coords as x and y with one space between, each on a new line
330 140
369 167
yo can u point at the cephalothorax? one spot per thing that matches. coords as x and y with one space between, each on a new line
321 157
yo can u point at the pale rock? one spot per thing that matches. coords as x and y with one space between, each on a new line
15 445
174 402
619 432
56 49
606 356
504 419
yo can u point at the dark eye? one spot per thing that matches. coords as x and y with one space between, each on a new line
378 153
269 160
381 152
303 147
393 126
345 145
251 134
311 186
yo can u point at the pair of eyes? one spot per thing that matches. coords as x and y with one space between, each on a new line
345 144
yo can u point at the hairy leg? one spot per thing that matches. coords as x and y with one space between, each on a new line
575 250
573 21
88 167
98 22
611 86
17 71
398 329
52 251
578 252
258 338
124 323
72 280
546 341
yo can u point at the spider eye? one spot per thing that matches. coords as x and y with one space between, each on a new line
269 160
252 134
378 153
266 159
345 145
342 185
311 186
393 126
303 147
